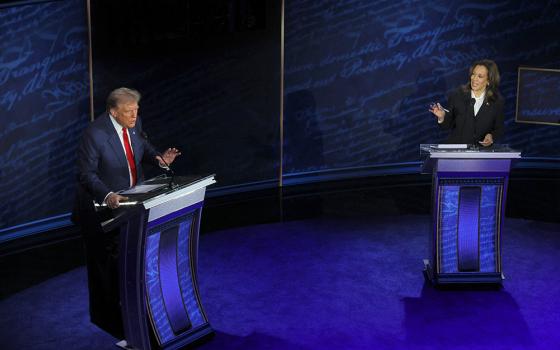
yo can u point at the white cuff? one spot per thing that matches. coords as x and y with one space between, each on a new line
105 199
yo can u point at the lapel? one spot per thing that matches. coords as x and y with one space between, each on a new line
468 105
136 141
115 142
484 108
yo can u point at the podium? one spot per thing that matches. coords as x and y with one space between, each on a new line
158 247
469 186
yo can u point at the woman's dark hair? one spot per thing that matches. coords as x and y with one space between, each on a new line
492 91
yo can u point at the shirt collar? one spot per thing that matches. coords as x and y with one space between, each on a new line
481 97
116 124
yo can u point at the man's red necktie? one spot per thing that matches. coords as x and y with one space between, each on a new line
129 156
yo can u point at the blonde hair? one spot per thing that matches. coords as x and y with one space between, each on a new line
121 95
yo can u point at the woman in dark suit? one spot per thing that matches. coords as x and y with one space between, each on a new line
475 110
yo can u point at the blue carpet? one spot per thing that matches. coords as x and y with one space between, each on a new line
346 283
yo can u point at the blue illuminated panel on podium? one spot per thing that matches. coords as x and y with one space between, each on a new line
160 301
469 189
172 301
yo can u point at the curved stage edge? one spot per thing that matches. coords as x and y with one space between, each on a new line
532 179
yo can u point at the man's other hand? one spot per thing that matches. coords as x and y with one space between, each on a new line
113 200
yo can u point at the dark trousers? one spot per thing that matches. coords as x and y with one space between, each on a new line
102 257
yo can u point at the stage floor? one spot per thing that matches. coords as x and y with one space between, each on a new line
345 282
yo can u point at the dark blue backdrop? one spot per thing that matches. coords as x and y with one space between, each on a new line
210 81
44 89
359 75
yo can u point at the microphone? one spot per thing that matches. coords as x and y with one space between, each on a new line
167 166
473 101
145 137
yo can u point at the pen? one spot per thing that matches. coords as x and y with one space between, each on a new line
433 105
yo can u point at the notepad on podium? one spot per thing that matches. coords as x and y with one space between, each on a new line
451 146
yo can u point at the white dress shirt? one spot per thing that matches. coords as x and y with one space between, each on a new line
478 101
118 129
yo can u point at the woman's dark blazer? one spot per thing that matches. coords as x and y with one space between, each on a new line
465 126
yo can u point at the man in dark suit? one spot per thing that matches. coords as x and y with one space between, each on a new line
475 110
110 159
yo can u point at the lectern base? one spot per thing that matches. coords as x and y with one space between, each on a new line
461 277
124 345
197 335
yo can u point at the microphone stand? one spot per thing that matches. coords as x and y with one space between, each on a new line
170 185
167 168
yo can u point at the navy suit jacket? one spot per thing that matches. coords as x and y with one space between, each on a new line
465 127
102 162
102 168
